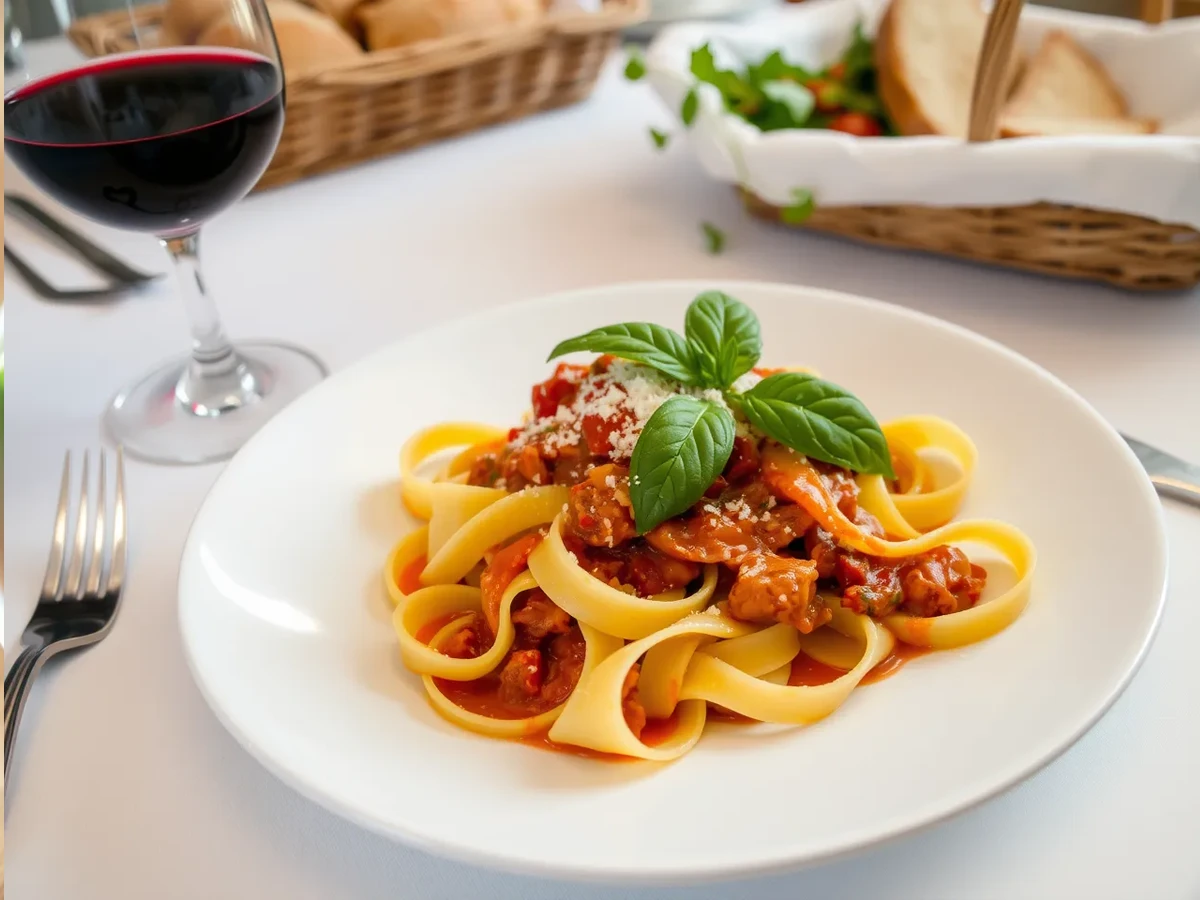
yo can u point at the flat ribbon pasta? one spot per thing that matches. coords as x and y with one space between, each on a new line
926 504
601 605
938 632
691 653
598 647
493 525
414 489
729 673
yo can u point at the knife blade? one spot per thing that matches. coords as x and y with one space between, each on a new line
1172 476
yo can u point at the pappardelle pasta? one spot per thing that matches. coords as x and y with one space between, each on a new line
674 535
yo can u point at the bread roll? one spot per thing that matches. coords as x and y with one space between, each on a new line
185 20
342 12
309 41
395 23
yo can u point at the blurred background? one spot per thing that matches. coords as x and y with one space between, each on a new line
44 18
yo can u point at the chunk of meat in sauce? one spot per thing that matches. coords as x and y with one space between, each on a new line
506 564
512 468
772 588
631 704
841 486
566 654
599 511
941 581
870 586
467 642
742 520
743 461
536 616
533 680
814 485
521 676
633 565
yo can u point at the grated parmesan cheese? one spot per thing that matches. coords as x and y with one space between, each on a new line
625 396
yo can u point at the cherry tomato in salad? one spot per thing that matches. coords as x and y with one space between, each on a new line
827 94
857 124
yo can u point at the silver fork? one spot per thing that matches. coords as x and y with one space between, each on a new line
78 603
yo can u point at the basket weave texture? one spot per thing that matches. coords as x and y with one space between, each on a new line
395 99
1128 251
1076 242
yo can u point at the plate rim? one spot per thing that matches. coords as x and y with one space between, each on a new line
776 863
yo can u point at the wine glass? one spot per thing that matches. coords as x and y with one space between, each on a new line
168 129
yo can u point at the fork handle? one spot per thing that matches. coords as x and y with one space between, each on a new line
16 689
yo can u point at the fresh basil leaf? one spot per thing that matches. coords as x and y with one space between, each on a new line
690 104
660 138
725 337
679 454
795 98
714 236
820 420
801 207
635 68
653 345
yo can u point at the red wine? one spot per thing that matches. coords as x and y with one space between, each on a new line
155 141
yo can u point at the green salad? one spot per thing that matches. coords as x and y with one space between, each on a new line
776 94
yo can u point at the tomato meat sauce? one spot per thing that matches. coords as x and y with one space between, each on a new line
758 522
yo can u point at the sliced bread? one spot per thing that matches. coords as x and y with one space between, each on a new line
1065 90
926 52
1057 126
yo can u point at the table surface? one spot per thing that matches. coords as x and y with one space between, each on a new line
125 785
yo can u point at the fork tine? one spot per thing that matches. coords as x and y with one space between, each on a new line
120 550
78 555
52 583
96 566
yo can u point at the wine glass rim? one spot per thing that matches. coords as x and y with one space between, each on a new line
100 63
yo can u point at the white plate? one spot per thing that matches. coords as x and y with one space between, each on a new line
287 627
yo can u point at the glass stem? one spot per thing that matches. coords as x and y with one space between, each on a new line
216 380
210 346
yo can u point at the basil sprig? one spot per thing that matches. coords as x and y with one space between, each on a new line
724 336
682 449
820 420
652 345
686 443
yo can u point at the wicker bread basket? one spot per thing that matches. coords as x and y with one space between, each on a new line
1076 242
395 99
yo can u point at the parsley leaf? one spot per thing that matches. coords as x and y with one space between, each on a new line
714 236
801 207
660 138
635 68
691 103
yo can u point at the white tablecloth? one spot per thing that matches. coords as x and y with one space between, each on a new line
126 787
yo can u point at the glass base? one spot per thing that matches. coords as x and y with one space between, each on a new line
185 412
